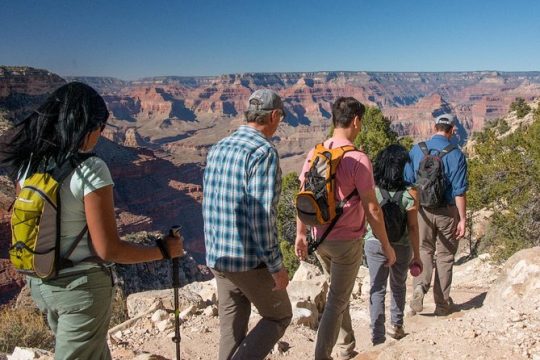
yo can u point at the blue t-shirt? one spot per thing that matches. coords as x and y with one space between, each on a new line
454 163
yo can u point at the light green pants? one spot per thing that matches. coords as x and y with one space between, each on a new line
78 309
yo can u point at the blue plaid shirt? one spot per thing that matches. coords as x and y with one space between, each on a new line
242 184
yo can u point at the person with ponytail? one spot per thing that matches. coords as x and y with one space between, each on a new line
77 301
390 184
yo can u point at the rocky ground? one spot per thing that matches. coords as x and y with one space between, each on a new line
497 316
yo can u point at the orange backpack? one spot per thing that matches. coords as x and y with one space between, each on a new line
316 202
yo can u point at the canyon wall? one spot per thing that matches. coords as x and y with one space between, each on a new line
161 128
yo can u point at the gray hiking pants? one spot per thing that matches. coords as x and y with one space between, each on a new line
378 275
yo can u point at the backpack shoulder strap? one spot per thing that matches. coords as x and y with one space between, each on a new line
385 194
62 172
446 150
423 147
348 148
344 201
398 196
312 246
319 147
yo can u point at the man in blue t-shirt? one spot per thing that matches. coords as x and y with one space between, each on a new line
440 228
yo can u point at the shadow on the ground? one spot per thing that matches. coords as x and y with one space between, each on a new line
473 253
474 303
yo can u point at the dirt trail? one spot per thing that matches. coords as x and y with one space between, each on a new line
457 336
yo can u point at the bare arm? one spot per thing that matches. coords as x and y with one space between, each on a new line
461 204
376 221
300 245
99 209
412 227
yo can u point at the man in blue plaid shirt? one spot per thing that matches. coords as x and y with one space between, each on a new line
242 184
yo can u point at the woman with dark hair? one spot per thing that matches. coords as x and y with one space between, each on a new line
77 301
390 184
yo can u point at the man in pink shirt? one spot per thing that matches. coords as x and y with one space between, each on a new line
341 252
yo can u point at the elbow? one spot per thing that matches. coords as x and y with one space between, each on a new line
374 211
111 252
107 255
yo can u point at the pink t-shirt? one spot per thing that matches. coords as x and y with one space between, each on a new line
354 171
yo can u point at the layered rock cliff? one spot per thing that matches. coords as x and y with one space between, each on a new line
186 115
161 128
22 89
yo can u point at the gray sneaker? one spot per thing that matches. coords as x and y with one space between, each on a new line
417 302
396 331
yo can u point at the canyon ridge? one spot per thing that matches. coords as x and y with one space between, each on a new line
161 128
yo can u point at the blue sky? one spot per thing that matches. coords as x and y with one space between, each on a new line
133 39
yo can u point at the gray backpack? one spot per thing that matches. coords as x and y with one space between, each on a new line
430 179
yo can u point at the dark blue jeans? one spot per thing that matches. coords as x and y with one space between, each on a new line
378 274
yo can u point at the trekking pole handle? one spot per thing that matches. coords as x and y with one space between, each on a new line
175 230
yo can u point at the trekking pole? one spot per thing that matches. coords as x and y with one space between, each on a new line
175 231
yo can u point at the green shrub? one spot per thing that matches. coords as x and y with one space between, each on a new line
24 327
376 133
520 107
286 211
290 260
502 126
286 221
505 177
407 142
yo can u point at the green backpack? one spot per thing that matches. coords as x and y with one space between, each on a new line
36 223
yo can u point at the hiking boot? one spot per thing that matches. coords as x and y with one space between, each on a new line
376 342
396 332
441 311
444 309
417 302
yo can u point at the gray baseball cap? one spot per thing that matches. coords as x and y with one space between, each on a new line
264 100
447 119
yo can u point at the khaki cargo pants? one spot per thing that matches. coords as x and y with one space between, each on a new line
437 228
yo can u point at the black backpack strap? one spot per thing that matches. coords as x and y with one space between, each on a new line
64 261
312 246
66 168
385 194
446 150
60 174
341 204
398 196
423 147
